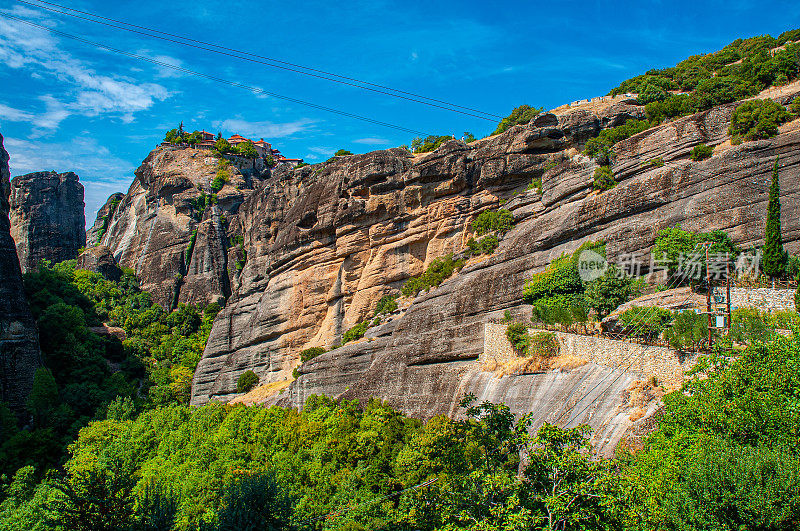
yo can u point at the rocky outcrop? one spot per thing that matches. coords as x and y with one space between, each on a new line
100 260
47 219
323 243
170 227
19 339
104 215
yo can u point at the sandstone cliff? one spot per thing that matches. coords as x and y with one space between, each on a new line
19 339
170 228
323 243
47 218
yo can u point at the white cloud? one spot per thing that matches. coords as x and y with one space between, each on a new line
264 129
87 92
100 172
13 115
372 141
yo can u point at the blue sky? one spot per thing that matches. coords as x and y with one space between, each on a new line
68 106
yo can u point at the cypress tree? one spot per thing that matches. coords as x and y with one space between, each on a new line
773 263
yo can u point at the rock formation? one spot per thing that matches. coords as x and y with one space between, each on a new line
170 227
100 260
104 215
47 217
19 339
306 254
324 243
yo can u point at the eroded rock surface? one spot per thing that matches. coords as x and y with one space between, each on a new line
19 339
47 218
170 227
323 243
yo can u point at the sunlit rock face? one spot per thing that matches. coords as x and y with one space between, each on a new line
47 217
19 339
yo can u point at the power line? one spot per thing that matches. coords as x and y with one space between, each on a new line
255 58
255 90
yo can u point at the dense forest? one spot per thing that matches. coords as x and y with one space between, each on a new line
725 455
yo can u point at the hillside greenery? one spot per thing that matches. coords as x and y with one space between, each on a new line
724 456
86 371
741 69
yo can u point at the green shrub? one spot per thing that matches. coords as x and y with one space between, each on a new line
559 278
600 147
519 116
688 330
603 179
517 335
438 270
357 332
794 107
387 304
749 323
756 119
190 249
247 380
429 143
536 184
301 164
485 245
655 162
500 221
311 353
701 152
646 322
606 293
544 344
342 153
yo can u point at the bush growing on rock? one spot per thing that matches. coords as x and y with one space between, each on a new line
246 381
438 270
485 245
757 119
387 304
519 116
499 221
605 294
701 152
311 353
603 179
357 332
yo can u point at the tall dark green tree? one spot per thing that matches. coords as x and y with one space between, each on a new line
773 263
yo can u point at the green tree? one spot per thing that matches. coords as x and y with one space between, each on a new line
247 150
603 179
519 116
688 330
342 153
246 381
756 119
773 263
607 292
253 503
222 146
43 397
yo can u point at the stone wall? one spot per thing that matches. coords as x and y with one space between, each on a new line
763 298
667 365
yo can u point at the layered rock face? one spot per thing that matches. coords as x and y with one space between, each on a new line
19 339
170 230
323 244
47 217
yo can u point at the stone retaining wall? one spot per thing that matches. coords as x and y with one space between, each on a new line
763 298
667 365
